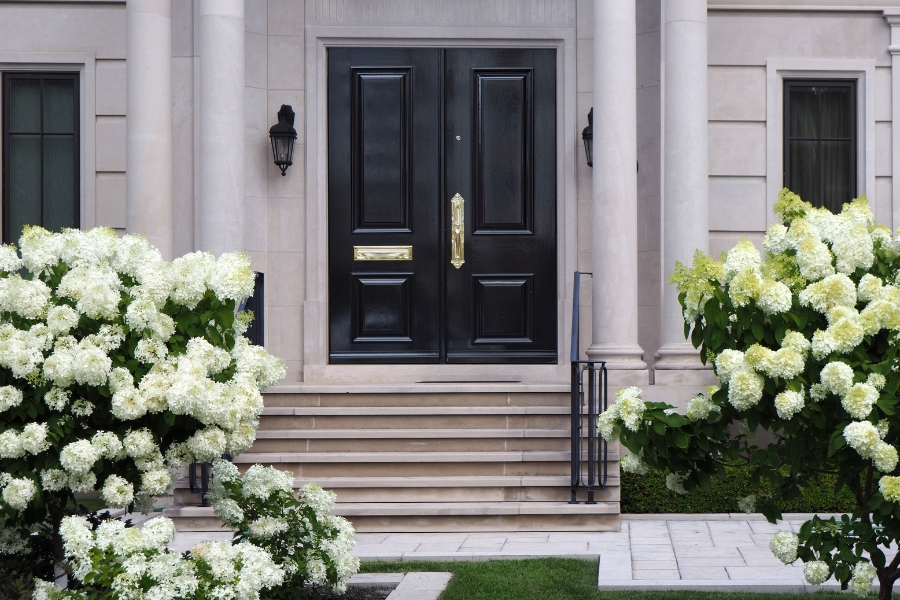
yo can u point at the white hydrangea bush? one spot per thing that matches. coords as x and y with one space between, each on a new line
113 561
312 546
804 339
117 368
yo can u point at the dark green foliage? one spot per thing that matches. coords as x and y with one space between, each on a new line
648 494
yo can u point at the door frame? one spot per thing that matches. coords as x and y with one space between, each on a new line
316 367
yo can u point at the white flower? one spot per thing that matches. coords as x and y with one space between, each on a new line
267 527
743 256
817 392
10 446
59 368
859 400
675 483
852 249
56 399
774 297
876 380
885 457
207 444
788 403
890 488
82 408
140 443
265 368
728 363
76 535
82 482
117 492
745 389
10 397
128 405
863 576
19 492
261 482
9 259
816 572
775 241
608 423
869 288
317 572
61 319
747 504
863 437
232 277
214 360
34 438
190 273
92 366
631 407
78 457
632 463
837 378
53 480
784 546
834 290
178 456
700 407
158 531
28 298
151 351
813 258
229 511
156 482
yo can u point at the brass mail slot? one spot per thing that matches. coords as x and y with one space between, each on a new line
382 252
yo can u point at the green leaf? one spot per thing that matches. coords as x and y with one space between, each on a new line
682 440
886 403
837 442
758 331
659 427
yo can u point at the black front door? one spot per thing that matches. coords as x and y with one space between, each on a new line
442 205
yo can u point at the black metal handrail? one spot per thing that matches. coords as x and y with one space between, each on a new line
589 399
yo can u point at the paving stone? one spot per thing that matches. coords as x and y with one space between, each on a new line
703 572
421 586
659 575
709 561
731 553
643 565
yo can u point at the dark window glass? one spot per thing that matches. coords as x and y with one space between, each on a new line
820 141
40 152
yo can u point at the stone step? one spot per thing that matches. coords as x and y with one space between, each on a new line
365 411
445 516
409 433
417 398
437 489
408 457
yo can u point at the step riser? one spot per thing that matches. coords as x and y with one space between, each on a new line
318 470
411 445
522 399
415 422
478 494
454 524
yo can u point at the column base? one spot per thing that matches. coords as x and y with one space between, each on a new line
624 364
679 364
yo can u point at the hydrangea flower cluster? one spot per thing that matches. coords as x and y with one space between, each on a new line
804 338
134 563
117 367
311 545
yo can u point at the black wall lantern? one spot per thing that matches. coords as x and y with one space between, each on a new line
283 135
587 134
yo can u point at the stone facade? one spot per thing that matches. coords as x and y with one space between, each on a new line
216 204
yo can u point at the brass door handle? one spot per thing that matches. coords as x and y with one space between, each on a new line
457 231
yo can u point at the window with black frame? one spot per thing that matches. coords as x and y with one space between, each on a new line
40 152
820 141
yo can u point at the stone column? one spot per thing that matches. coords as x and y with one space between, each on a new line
614 218
685 177
222 168
893 18
148 145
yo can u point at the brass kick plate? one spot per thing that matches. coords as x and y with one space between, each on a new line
382 252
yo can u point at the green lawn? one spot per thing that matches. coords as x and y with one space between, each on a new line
549 579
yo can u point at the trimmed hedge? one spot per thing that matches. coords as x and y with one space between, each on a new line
648 494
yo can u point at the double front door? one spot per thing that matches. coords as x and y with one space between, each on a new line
442 205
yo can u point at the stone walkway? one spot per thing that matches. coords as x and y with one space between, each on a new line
699 552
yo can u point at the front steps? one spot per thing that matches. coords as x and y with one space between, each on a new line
427 462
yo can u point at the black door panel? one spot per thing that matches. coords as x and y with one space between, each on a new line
407 130
383 190
501 104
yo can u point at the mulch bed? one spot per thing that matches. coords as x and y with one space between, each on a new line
352 593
